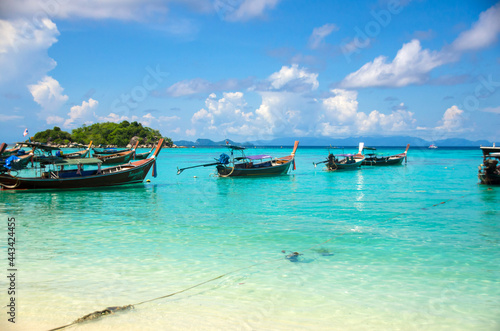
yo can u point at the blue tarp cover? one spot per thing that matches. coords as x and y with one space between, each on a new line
10 160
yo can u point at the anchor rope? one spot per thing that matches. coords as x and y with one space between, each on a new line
112 310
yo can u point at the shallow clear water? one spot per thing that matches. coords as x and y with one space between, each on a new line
411 247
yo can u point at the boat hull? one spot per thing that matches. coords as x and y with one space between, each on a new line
383 161
489 179
274 170
344 166
116 159
128 174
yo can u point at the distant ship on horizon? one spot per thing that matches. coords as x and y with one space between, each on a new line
433 146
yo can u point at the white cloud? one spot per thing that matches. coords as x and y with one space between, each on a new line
221 114
319 34
188 87
23 51
247 9
410 66
342 107
83 114
93 9
483 33
341 117
413 64
54 119
494 110
294 79
5 118
199 85
453 120
48 94
115 118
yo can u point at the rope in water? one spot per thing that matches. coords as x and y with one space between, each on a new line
112 310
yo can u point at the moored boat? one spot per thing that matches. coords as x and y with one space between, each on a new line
252 165
109 150
60 177
336 162
142 156
16 161
489 170
372 159
118 158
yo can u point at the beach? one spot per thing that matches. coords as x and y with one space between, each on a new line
410 247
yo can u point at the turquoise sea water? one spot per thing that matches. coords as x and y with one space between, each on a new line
412 247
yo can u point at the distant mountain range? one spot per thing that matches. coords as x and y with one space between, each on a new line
353 141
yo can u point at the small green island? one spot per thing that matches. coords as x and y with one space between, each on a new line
103 134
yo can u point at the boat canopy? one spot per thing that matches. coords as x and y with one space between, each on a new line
259 157
234 147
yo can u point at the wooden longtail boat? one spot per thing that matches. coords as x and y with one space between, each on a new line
79 154
255 165
343 161
142 156
118 158
489 170
61 178
15 161
372 159
46 153
108 151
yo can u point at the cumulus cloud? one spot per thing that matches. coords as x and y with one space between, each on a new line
48 94
342 107
279 113
221 115
413 64
284 113
483 33
23 50
341 117
83 114
452 120
410 66
146 120
319 34
294 79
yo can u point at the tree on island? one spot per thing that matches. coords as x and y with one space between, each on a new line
108 133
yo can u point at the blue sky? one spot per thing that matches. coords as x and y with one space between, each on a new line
253 69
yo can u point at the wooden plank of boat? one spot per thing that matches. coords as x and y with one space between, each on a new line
80 154
142 156
130 173
118 158
108 151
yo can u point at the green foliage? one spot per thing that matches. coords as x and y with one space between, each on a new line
108 133
53 136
